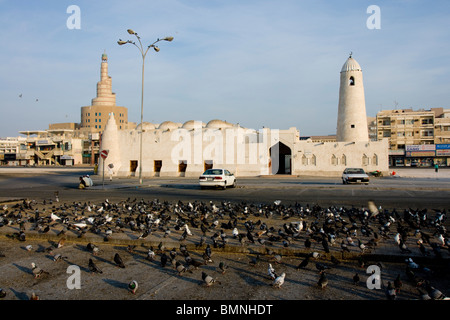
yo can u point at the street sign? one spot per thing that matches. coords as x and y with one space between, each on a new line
104 154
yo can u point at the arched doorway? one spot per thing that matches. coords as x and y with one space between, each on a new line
280 159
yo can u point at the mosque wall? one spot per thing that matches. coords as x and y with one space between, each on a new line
173 150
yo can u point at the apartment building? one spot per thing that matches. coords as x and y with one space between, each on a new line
416 137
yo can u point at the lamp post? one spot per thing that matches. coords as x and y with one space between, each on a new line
143 53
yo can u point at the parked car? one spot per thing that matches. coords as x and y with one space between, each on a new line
355 175
217 178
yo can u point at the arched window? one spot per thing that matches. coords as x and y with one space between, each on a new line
304 160
344 160
351 81
365 160
334 161
375 160
313 160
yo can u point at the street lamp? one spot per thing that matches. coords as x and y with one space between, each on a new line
143 53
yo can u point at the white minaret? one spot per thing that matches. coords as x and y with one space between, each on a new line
352 117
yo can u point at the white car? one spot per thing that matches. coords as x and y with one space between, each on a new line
217 178
354 175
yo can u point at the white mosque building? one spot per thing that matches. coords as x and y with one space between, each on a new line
175 149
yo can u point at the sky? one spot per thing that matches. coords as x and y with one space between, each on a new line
259 63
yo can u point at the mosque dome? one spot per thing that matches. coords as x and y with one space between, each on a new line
191 124
218 124
169 125
351 65
146 126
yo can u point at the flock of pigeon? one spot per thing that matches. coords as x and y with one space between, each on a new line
315 231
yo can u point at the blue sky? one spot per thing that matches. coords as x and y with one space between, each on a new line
258 63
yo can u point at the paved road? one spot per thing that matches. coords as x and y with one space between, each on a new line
416 188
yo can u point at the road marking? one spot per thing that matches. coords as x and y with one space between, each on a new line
150 293
409 193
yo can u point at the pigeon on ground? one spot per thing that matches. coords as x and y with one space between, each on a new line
321 267
150 254
398 284
164 259
133 286
118 260
356 278
92 248
38 272
335 260
278 281
93 267
208 280
390 292
60 243
303 264
223 267
254 261
34 296
180 268
271 272
58 257
434 293
323 280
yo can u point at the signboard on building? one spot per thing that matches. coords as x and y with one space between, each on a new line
399 152
443 150
420 150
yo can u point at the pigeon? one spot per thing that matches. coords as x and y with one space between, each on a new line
93 267
222 267
54 217
321 267
150 254
278 282
2 293
60 243
423 294
398 284
434 293
335 260
422 248
118 260
164 259
38 272
315 255
58 257
325 246
180 268
323 281
271 272
92 248
403 248
277 258
303 264
34 296
344 246
356 278
390 292
254 261
208 280
308 243
133 286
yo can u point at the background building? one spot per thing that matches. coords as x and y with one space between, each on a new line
416 138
